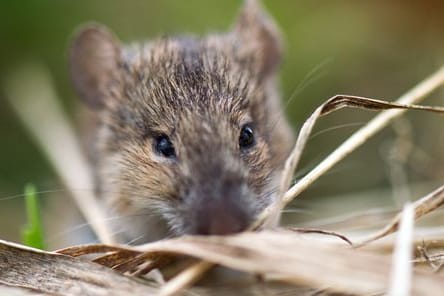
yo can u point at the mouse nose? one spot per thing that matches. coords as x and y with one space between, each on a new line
218 199
220 224
221 227
221 217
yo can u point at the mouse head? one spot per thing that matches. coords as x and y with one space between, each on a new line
190 137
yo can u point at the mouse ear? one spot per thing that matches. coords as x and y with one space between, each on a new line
259 37
94 61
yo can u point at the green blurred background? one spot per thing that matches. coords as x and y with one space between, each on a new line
377 49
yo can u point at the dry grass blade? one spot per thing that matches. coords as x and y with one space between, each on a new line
269 215
156 263
133 263
185 279
400 284
320 231
77 251
341 101
115 258
17 291
421 207
423 240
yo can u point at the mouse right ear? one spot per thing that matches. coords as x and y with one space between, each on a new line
259 37
94 62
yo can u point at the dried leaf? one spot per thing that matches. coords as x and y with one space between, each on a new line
56 274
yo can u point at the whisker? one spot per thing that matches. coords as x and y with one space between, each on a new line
300 173
336 127
58 190
297 210
135 239
22 195
308 79
86 224
270 192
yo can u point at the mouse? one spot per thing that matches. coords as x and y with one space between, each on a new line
190 136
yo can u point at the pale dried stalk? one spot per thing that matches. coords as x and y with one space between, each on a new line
402 269
185 279
17 291
32 97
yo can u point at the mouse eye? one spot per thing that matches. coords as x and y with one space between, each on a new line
246 137
164 146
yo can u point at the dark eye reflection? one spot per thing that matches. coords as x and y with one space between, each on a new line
164 146
246 137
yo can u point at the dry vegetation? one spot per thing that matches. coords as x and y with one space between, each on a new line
272 261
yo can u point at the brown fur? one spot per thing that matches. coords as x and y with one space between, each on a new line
199 92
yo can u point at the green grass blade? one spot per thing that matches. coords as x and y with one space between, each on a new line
32 233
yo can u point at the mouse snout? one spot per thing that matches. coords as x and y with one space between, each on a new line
220 212
220 219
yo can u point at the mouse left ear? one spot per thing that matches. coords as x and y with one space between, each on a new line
258 37
94 63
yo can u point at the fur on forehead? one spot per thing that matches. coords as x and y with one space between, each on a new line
170 76
250 51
